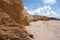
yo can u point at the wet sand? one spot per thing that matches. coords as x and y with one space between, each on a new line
45 30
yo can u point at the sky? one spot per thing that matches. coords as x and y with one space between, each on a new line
50 8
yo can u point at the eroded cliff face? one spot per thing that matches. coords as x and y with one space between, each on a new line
13 19
14 8
42 18
28 18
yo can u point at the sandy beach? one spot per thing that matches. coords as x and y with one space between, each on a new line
45 30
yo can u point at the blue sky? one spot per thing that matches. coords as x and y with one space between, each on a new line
49 8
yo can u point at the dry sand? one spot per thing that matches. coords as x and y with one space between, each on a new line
45 30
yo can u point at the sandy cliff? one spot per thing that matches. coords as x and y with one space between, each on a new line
37 17
12 20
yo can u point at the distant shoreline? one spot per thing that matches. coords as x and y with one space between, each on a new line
52 18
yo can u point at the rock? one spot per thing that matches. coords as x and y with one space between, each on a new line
43 18
13 18
13 33
28 17
14 8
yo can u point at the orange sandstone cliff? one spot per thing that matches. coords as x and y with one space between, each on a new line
42 18
13 19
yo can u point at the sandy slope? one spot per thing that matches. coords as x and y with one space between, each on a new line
45 30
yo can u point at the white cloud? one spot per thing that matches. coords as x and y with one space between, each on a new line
29 10
49 1
45 11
